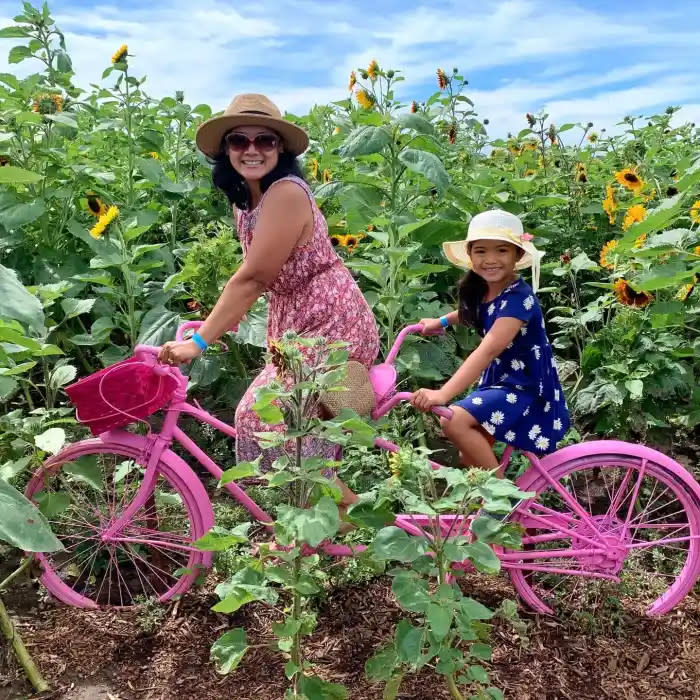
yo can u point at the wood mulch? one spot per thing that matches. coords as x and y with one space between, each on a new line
107 655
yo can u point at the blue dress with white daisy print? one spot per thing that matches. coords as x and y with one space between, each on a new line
519 399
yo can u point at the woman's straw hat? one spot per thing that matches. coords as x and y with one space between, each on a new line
250 110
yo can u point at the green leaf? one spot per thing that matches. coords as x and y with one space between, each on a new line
428 165
656 219
8 386
87 470
310 525
483 557
9 335
548 200
480 651
635 388
158 325
76 307
412 593
416 122
381 666
671 274
63 62
439 618
409 641
365 514
241 471
11 469
63 119
690 177
22 525
219 539
229 649
12 175
364 140
479 674
52 504
15 213
18 54
13 32
474 610
51 440
314 688
62 376
17 369
16 303
394 543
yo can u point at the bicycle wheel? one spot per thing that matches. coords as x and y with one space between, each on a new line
83 490
630 514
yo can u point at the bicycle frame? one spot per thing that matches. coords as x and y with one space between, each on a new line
384 381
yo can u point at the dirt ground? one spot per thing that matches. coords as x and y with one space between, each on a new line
118 655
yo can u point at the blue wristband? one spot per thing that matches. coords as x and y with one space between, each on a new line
201 343
444 322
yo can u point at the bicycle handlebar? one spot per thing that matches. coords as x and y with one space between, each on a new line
413 328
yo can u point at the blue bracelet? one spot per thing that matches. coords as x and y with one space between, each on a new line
201 343
444 322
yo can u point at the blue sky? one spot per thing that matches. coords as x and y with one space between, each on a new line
581 60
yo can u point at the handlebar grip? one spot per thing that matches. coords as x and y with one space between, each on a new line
147 350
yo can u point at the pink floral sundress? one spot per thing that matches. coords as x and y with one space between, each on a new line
314 295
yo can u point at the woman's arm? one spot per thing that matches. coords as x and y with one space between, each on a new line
279 229
493 344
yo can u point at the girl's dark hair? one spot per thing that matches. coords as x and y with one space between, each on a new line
471 290
233 185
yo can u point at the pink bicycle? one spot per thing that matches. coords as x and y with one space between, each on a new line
128 509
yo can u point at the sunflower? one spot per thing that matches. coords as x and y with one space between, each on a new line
514 149
414 107
609 203
581 174
696 250
336 131
452 133
352 82
650 196
629 297
314 168
441 78
338 240
527 173
605 251
628 178
4 160
120 54
671 191
395 465
372 70
687 289
639 241
351 242
105 220
695 212
370 227
592 137
327 176
47 103
634 214
530 145
96 206
365 99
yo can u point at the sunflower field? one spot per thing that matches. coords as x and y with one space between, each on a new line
111 234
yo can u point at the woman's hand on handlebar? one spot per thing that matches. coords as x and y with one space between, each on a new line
425 399
177 352
431 326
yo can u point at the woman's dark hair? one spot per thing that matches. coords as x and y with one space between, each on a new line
471 290
233 185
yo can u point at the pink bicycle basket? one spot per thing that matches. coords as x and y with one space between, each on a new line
122 393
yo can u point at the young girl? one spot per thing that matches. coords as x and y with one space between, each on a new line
518 399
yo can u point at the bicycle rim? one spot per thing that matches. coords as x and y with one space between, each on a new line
641 526
152 558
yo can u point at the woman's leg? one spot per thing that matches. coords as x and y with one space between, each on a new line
472 441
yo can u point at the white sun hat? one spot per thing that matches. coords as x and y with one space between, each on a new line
496 225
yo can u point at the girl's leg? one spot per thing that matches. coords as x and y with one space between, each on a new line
472 441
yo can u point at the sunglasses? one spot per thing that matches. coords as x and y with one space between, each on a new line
262 142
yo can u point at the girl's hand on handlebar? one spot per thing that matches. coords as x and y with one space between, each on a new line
179 352
430 325
425 399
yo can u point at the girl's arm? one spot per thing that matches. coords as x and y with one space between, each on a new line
494 343
277 232
430 325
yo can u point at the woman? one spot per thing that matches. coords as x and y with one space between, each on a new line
287 254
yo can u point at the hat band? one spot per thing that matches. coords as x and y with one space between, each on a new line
255 111
500 231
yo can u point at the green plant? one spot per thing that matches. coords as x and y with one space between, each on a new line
451 632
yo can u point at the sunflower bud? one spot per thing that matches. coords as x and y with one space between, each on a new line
179 96
441 79
530 119
373 70
364 74
352 81
390 74
452 133
414 107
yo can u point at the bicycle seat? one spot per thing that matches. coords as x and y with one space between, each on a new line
383 378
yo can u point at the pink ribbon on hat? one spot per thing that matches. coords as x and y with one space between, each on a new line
527 237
